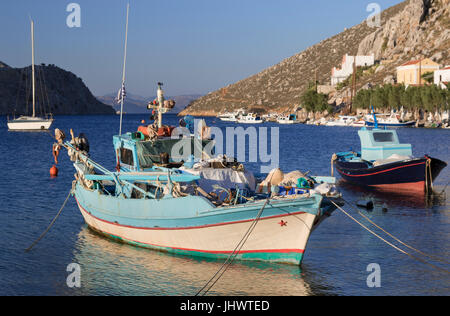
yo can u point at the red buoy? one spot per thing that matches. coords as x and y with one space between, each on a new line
53 171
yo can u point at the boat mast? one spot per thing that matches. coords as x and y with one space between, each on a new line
32 68
123 71
160 97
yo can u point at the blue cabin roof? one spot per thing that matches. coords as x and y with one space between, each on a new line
381 144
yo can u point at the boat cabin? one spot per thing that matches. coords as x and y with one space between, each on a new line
133 153
377 144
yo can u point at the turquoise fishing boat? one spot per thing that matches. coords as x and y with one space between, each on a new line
166 209
209 209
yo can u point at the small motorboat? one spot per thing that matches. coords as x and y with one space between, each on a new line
385 163
392 120
231 116
250 118
288 119
228 117
344 120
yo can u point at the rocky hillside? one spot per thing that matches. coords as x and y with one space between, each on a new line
57 91
408 30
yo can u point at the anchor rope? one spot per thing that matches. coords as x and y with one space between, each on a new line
443 190
387 242
51 224
213 280
398 240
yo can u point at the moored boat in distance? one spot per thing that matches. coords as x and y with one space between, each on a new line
270 117
231 116
343 120
388 120
33 122
287 119
250 118
29 123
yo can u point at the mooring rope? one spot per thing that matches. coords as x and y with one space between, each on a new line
395 238
387 242
52 222
443 190
213 280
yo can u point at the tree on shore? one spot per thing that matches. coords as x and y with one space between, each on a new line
388 96
313 101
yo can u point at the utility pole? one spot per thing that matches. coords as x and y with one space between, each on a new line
420 72
353 88
315 79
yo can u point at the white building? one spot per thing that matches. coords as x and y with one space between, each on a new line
339 75
442 77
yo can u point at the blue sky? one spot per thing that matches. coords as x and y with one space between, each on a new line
193 46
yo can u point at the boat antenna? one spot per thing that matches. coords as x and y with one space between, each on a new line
374 118
122 91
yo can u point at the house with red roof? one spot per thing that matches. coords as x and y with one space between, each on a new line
410 73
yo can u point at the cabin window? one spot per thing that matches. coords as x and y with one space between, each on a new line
383 137
126 156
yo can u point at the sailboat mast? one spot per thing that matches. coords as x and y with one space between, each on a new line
32 68
123 70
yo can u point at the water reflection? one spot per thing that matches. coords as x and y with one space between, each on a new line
112 268
395 198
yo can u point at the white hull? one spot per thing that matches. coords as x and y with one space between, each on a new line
358 124
228 119
250 122
30 124
279 234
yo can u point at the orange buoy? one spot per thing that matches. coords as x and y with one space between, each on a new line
143 122
53 171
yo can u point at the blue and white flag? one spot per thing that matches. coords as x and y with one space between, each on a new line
121 94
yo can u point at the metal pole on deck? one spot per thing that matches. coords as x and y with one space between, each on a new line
123 71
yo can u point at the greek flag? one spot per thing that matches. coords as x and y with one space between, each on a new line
121 94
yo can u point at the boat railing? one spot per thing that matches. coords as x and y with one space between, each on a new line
163 176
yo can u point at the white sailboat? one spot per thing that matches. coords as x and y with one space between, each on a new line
33 122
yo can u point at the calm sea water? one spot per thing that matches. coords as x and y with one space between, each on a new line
337 255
